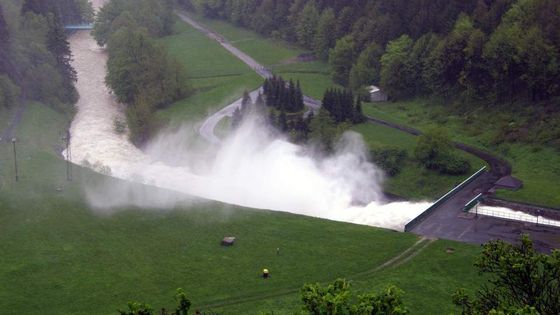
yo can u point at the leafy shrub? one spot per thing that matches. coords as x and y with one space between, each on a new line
434 150
454 165
390 160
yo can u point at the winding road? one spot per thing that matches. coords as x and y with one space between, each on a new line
207 128
446 221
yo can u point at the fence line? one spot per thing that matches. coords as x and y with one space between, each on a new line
516 216
410 225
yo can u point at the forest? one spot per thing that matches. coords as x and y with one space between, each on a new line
489 51
34 53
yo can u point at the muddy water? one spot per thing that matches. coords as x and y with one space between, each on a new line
248 169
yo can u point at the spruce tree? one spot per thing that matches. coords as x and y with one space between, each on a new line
246 102
4 43
35 6
60 48
283 121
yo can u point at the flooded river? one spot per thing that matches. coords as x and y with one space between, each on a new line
248 169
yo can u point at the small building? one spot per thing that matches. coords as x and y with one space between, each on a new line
228 241
376 95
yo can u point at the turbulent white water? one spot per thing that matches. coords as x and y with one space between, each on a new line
249 169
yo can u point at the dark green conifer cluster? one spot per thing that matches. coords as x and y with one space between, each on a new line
282 95
35 56
341 106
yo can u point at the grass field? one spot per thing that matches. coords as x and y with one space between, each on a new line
217 77
414 181
536 165
277 55
61 257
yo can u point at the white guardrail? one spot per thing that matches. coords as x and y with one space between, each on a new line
509 214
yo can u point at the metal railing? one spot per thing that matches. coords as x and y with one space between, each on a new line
515 216
410 225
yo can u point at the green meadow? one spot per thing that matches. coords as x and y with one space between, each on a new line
61 256
537 166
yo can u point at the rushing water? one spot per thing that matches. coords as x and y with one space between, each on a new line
250 169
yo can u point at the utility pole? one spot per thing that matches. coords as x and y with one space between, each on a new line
68 157
15 158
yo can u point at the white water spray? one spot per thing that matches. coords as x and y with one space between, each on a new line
250 168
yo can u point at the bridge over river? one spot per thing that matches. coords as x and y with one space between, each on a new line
78 27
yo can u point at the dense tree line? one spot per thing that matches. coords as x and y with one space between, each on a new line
343 107
155 18
35 55
271 110
494 51
139 71
283 95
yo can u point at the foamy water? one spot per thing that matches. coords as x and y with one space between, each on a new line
250 168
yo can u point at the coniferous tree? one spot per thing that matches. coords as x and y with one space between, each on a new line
246 102
59 46
35 6
4 43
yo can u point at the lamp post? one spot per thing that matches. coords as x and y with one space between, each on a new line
15 158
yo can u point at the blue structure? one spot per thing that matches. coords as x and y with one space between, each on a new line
78 27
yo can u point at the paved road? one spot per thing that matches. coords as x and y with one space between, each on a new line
448 221
207 128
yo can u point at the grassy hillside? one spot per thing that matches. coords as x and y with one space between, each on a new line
217 77
536 165
59 256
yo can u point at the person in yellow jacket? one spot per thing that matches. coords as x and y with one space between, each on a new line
265 274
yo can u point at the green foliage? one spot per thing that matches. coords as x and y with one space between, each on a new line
283 95
326 34
144 77
323 131
9 92
341 58
522 281
306 26
336 299
395 79
68 11
342 106
387 302
389 159
367 70
152 16
183 303
434 151
136 308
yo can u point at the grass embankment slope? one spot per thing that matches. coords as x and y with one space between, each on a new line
60 257
413 181
278 55
538 166
217 78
